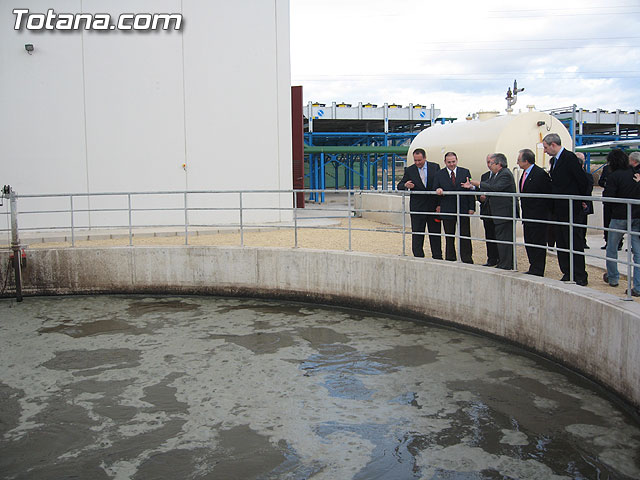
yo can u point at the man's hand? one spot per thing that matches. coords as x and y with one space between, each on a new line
466 184
636 177
471 212
439 192
483 198
438 208
409 185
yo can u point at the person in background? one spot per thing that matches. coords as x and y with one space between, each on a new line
489 227
587 206
634 161
621 184
534 180
419 177
450 179
606 210
500 206
567 178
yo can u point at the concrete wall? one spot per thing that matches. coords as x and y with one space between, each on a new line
595 333
117 111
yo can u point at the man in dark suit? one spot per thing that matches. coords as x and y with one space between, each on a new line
489 227
420 177
587 207
567 178
450 179
501 181
534 180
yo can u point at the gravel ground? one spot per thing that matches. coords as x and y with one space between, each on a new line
385 239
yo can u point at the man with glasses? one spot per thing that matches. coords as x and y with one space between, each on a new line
501 206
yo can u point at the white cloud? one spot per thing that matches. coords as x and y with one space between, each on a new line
462 55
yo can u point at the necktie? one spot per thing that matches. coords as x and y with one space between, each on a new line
553 162
422 176
453 177
524 177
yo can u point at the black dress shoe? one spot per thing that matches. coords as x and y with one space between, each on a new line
583 282
603 247
537 274
565 278
490 264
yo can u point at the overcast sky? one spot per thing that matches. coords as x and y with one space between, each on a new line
463 55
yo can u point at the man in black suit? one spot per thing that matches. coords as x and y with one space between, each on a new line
567 178
587 207
450 179
534 180
420 177
500 206
489 227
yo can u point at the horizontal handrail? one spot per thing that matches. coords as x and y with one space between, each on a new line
78 217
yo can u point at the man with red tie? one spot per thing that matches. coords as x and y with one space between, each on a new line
419 177
450 179
567 178
534 180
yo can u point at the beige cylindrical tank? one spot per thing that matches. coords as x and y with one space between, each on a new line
473 140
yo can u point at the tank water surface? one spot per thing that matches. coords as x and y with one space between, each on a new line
216 388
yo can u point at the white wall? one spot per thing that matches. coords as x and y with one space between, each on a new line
122 111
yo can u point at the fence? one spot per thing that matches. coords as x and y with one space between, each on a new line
186 211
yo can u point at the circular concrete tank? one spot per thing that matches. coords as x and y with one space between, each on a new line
171 387
473 140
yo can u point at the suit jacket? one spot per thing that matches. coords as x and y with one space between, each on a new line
568 178
500 206
538 181
589 209
421 202
620 184
448 203
484 206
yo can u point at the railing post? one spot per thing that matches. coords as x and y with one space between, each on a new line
514 214
15 243
241 225
186 221
629 250
404 225
73 236
571 272
349 214
458 257
130 226
295 218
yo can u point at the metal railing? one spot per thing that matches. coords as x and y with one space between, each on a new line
79 207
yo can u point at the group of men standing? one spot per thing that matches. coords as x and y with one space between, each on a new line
566 177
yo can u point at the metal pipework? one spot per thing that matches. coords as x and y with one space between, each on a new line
7 192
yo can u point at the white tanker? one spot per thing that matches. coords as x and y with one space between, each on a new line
489 133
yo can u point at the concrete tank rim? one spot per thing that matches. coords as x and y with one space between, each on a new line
629 312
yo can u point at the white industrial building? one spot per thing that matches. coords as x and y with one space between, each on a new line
89 111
